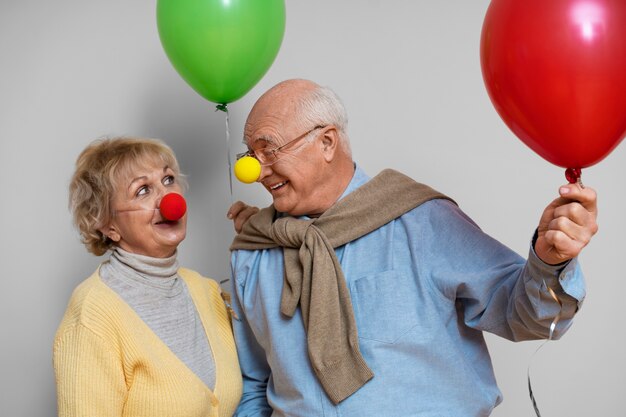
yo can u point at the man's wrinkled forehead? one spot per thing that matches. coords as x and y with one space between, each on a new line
265 130
260 141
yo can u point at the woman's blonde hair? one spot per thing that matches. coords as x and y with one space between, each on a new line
99 168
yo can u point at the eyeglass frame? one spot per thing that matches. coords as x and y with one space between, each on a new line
274 151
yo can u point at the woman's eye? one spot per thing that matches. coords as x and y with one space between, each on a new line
168 180
143 190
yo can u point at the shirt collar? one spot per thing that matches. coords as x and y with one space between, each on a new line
358 179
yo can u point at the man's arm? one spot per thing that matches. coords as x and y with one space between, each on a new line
498 290
254 368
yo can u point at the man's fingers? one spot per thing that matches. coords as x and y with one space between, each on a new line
563 245
575 212
587 197
235 209
570 229
242 217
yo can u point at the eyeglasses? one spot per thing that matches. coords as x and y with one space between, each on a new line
269 156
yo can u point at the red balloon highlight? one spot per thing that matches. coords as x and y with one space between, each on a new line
173 206
555 71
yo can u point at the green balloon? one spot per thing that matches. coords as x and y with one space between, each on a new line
221 48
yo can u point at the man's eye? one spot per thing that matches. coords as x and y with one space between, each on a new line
268 152
168 180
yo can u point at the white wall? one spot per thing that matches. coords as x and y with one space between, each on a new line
408 71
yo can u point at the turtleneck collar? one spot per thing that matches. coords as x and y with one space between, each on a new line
160 274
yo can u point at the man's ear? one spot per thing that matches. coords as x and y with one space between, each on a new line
330 142
111 232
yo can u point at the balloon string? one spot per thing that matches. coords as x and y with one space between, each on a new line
550 336
224 108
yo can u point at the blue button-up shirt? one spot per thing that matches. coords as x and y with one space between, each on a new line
423 288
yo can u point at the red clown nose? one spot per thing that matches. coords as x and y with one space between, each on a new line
173 206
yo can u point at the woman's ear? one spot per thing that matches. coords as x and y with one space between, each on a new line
111 232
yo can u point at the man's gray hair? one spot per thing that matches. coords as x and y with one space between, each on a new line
322 106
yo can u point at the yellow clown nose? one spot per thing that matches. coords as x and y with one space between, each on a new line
247 169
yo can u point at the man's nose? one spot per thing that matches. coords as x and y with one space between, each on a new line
266 171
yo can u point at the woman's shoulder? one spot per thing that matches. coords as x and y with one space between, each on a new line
87 292
86 288
92 304
203 288
194 278
212 298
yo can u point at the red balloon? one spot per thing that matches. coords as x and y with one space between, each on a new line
173 206
555 71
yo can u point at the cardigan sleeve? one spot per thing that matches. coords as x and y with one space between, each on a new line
89 375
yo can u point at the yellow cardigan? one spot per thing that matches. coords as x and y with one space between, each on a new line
108 362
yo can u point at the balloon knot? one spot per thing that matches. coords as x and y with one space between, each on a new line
573 175
222 107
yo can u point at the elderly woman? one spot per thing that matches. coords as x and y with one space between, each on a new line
141 336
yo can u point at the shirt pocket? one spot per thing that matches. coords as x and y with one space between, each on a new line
387 306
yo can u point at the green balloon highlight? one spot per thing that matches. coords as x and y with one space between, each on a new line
221 48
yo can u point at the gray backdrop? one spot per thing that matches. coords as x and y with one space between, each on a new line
408 71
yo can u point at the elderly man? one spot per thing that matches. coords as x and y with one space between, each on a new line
368 297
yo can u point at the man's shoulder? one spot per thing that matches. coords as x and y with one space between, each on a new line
434 217
436 205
